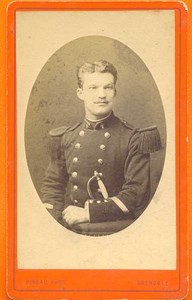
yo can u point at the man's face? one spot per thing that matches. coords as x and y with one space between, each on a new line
98 92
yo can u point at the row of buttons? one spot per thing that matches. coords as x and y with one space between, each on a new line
74 174
78 146
75 188
97 201
100 160
91 201
106 134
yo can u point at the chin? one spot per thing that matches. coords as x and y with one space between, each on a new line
103 113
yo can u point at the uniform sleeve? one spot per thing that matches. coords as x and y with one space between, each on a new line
54 187
135 192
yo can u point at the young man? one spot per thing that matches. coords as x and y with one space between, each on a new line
100 168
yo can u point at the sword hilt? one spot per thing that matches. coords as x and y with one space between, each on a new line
100 184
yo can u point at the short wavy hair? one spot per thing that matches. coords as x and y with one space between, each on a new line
101 66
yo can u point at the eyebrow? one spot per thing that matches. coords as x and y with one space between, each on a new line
109 84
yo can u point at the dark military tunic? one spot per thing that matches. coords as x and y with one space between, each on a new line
114 150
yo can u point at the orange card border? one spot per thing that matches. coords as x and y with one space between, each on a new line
97 283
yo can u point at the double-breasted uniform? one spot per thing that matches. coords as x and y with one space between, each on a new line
104 166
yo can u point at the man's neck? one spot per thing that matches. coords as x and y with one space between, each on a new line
98 120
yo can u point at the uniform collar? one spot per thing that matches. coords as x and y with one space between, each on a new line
99 124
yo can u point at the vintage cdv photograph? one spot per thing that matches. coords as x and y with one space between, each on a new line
94 127
101 167
97 137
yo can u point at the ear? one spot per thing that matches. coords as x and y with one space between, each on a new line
80 94
115 92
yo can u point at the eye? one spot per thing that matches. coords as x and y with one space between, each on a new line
109 87
92 87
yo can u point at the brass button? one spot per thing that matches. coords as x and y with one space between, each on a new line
91 201
107 135
100 161
105 200
75 201
82 133
75 187
75 159
74 174
102 126
101 174
77 146
102 147
98 201
99 191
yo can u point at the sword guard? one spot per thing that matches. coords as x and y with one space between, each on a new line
101 185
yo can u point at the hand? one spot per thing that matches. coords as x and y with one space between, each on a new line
75 215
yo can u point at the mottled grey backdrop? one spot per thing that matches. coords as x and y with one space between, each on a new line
53 101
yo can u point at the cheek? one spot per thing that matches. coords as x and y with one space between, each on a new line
91 96
111 94
89 99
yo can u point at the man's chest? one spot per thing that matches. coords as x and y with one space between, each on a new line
95 150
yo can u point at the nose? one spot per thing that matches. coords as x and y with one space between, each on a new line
102 94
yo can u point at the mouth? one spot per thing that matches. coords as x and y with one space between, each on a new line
101 102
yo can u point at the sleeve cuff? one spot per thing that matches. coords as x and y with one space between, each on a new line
106 211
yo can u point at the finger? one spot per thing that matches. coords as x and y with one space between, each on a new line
65 211
66 219
66 216
70 221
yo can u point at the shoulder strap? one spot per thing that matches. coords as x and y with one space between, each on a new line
57 132
126 124
54 145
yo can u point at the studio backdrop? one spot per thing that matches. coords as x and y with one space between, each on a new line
53 101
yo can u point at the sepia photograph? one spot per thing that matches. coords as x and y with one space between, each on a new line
95 136
103 169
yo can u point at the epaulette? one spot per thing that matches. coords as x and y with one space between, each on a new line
126 124
150 140
54 146
57 132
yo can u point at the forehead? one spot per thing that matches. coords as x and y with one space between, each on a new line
97 78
